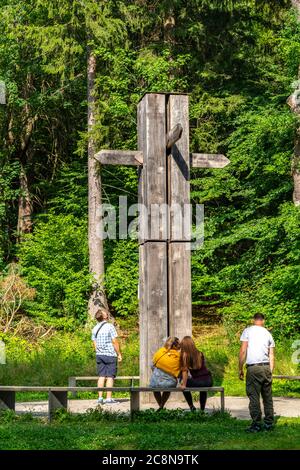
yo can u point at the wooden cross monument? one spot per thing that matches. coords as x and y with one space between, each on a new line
165 302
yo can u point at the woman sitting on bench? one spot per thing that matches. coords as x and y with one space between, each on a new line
166 369
194 371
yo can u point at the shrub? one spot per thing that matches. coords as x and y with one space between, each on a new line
54 260
122 277
13 293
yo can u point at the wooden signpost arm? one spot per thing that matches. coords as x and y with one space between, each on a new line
208 160
120 157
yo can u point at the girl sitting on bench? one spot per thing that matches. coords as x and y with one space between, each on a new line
194 371
166 369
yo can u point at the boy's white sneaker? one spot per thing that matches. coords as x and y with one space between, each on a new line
110 401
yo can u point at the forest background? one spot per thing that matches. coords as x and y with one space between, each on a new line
239 62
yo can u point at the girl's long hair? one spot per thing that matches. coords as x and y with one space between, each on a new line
190 357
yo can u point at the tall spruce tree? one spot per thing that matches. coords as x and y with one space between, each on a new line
294 103
52 44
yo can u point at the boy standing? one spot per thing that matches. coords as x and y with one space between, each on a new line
104 337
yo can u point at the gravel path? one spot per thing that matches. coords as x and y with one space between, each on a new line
237 406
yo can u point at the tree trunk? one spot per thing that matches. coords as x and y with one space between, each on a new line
24 155
96 255
24 205
296 169
168 33
294 103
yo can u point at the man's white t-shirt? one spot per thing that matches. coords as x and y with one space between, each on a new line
259 341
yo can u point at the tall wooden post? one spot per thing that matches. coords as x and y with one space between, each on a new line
164 161
165 280
179 259
153 285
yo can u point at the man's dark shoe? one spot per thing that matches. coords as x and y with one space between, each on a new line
268 427
254 428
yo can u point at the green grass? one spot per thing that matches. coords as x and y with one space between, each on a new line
149 431
53 361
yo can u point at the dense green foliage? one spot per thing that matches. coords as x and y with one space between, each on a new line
55 262
237 59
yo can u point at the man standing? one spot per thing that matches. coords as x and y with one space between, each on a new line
104 337
257 349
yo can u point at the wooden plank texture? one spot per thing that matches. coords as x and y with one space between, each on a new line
287 377
134 402
7 400
120 157
173 135
178 167
180 305
209 160
15 388
153 177
95 377
143 317
153 287
153 294
178 389
56 401
179 263
23 388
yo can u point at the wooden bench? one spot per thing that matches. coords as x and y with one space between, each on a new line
58 396
135 394
72 382
287 377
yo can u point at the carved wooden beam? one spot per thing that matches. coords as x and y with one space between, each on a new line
120 157
173 135
209 160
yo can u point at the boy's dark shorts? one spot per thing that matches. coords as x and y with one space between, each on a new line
106 366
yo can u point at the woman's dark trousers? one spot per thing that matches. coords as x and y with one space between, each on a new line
205 382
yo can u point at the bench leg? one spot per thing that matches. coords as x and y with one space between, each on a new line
7 400
223 401
72 383
134 403
56 401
